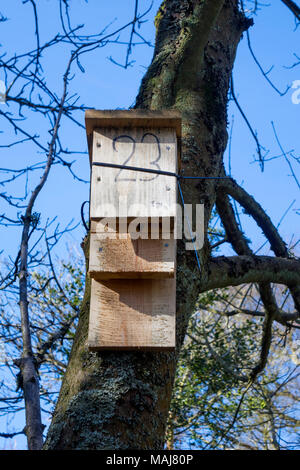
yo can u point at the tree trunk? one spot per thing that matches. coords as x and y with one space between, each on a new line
120 400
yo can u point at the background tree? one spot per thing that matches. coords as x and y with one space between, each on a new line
210 409
54 306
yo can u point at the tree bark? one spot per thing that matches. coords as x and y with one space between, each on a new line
120 400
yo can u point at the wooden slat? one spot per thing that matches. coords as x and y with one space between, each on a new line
126 193
129 119
124 258
164 227
126 314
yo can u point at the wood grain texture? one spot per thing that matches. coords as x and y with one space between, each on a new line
126 314
159 228
124 258
131 118
128 193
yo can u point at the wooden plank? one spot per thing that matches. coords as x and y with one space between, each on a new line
126 314
127 193
129 119
162 227
121 257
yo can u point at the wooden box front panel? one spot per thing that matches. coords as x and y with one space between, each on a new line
137 314
127 193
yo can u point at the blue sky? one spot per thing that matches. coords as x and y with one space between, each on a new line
104 85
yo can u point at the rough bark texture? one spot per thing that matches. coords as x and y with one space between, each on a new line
121 400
